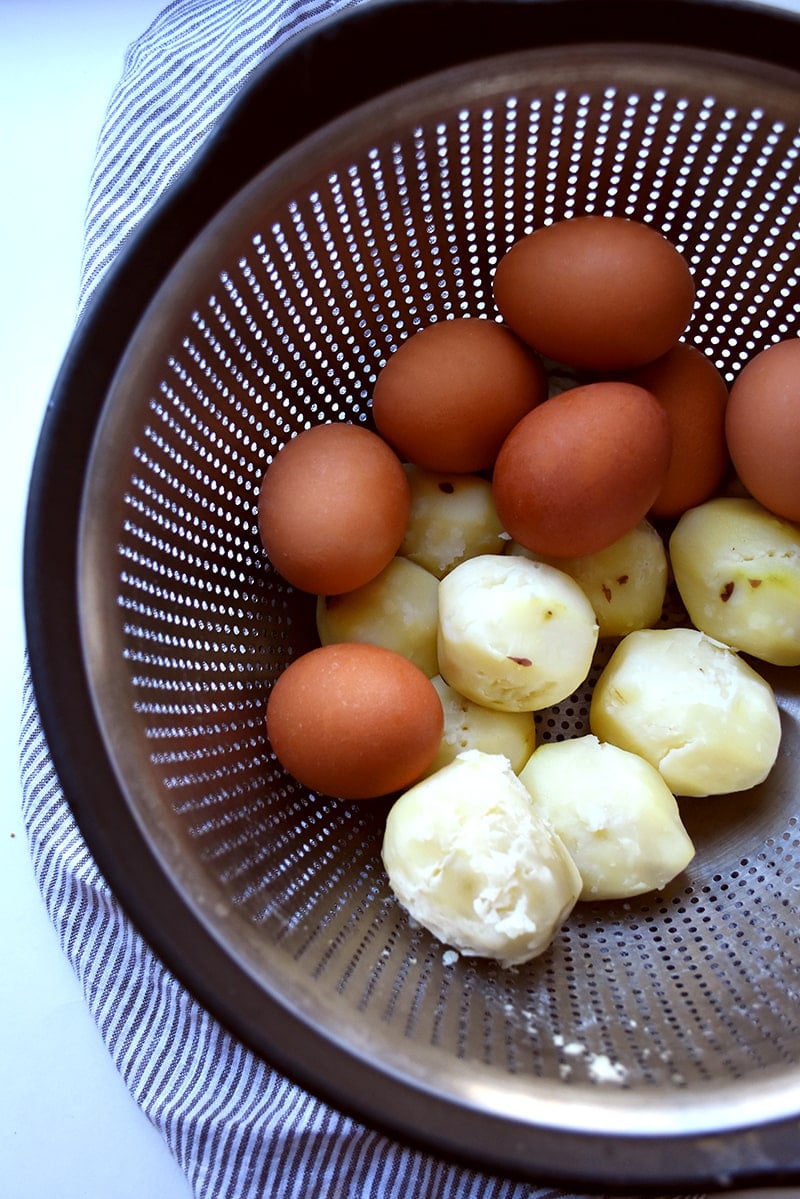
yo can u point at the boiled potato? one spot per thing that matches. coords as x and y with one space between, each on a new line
398 609
468 725
470 859
690 706
514 635
613 811
737 568
625 583
452 518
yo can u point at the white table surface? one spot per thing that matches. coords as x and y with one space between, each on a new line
68 1127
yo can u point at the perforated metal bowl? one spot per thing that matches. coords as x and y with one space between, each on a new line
656 1045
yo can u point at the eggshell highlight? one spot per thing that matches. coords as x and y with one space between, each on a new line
763 427
583 469
333 508
354 721
596 292
694 395
448 396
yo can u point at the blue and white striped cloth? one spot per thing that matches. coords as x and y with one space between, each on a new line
238 1129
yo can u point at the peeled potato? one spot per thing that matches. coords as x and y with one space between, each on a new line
613 811
452 518
625 583
468 725
514 635
737 568
470 859
691 707
399 610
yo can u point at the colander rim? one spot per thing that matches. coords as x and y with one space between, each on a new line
59 680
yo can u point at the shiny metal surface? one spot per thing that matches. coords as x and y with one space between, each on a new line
673 1014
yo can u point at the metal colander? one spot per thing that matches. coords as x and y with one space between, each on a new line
656 1045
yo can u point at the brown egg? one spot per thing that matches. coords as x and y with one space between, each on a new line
582 469
694 394
595 292
448 395
763 427
354 720
333 508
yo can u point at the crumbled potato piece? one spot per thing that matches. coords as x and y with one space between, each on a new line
470 859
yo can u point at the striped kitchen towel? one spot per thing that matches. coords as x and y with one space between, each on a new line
237 1128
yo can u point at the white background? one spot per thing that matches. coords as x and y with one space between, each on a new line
68 1128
